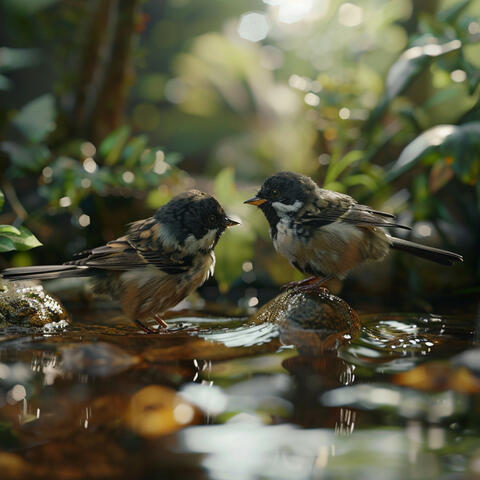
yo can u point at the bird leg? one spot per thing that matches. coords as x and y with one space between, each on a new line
300 283
145 328
315 285
160 321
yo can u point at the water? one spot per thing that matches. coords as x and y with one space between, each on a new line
298 391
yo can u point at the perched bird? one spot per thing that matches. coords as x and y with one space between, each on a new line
326 234
159 261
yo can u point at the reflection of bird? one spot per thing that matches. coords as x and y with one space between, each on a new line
326 234
160 260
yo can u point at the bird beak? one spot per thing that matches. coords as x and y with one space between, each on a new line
231 223
255 201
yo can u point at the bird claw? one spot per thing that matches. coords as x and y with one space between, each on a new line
161 325
310 284
300 283
314 287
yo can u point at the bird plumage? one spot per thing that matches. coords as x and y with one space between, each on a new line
159 261
325 233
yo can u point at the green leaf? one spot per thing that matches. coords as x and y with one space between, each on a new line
6 245
173 158
450 15
15 58
361 179
28 7
5 83
27 240
133 150
336 167
31 158
24 240
112 145
37 118
405 69
9 229
2 199
458 145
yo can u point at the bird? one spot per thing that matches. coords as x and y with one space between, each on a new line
326 234
156 264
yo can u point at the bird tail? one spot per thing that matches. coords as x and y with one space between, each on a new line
45 272
430 253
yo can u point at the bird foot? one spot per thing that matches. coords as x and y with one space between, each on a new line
300 283
310 284
313 287
161 325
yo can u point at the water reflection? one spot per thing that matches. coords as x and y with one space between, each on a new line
260 397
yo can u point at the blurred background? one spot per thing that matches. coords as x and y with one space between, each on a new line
110 107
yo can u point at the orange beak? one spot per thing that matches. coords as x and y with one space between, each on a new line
255 201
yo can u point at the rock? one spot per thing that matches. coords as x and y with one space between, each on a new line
29 305
312 320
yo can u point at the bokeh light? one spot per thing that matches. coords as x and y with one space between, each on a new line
253 26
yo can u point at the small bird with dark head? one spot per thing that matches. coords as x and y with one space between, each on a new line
159 261
326 234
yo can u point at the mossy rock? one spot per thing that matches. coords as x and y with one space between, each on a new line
22 304
311 320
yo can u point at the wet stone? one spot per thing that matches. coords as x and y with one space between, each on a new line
29 305
311 320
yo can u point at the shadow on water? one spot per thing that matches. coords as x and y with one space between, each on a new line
305 388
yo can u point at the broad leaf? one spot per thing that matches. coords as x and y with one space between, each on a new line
5 83
2 199
459 144
37 118
405 69
337 167
113 144
450 15
9 229
15 58
6 245
133 150
30 158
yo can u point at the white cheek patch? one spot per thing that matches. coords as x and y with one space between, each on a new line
193 245
283 209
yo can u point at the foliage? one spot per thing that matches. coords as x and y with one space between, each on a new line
373 98
13 238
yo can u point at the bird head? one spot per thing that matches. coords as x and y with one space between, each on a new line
195 219
283 194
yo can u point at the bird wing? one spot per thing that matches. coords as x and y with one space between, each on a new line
336 207
134 251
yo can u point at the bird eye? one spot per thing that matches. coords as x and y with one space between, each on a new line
212 219
275 192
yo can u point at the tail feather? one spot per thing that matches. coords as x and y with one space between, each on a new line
430 253
45 272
